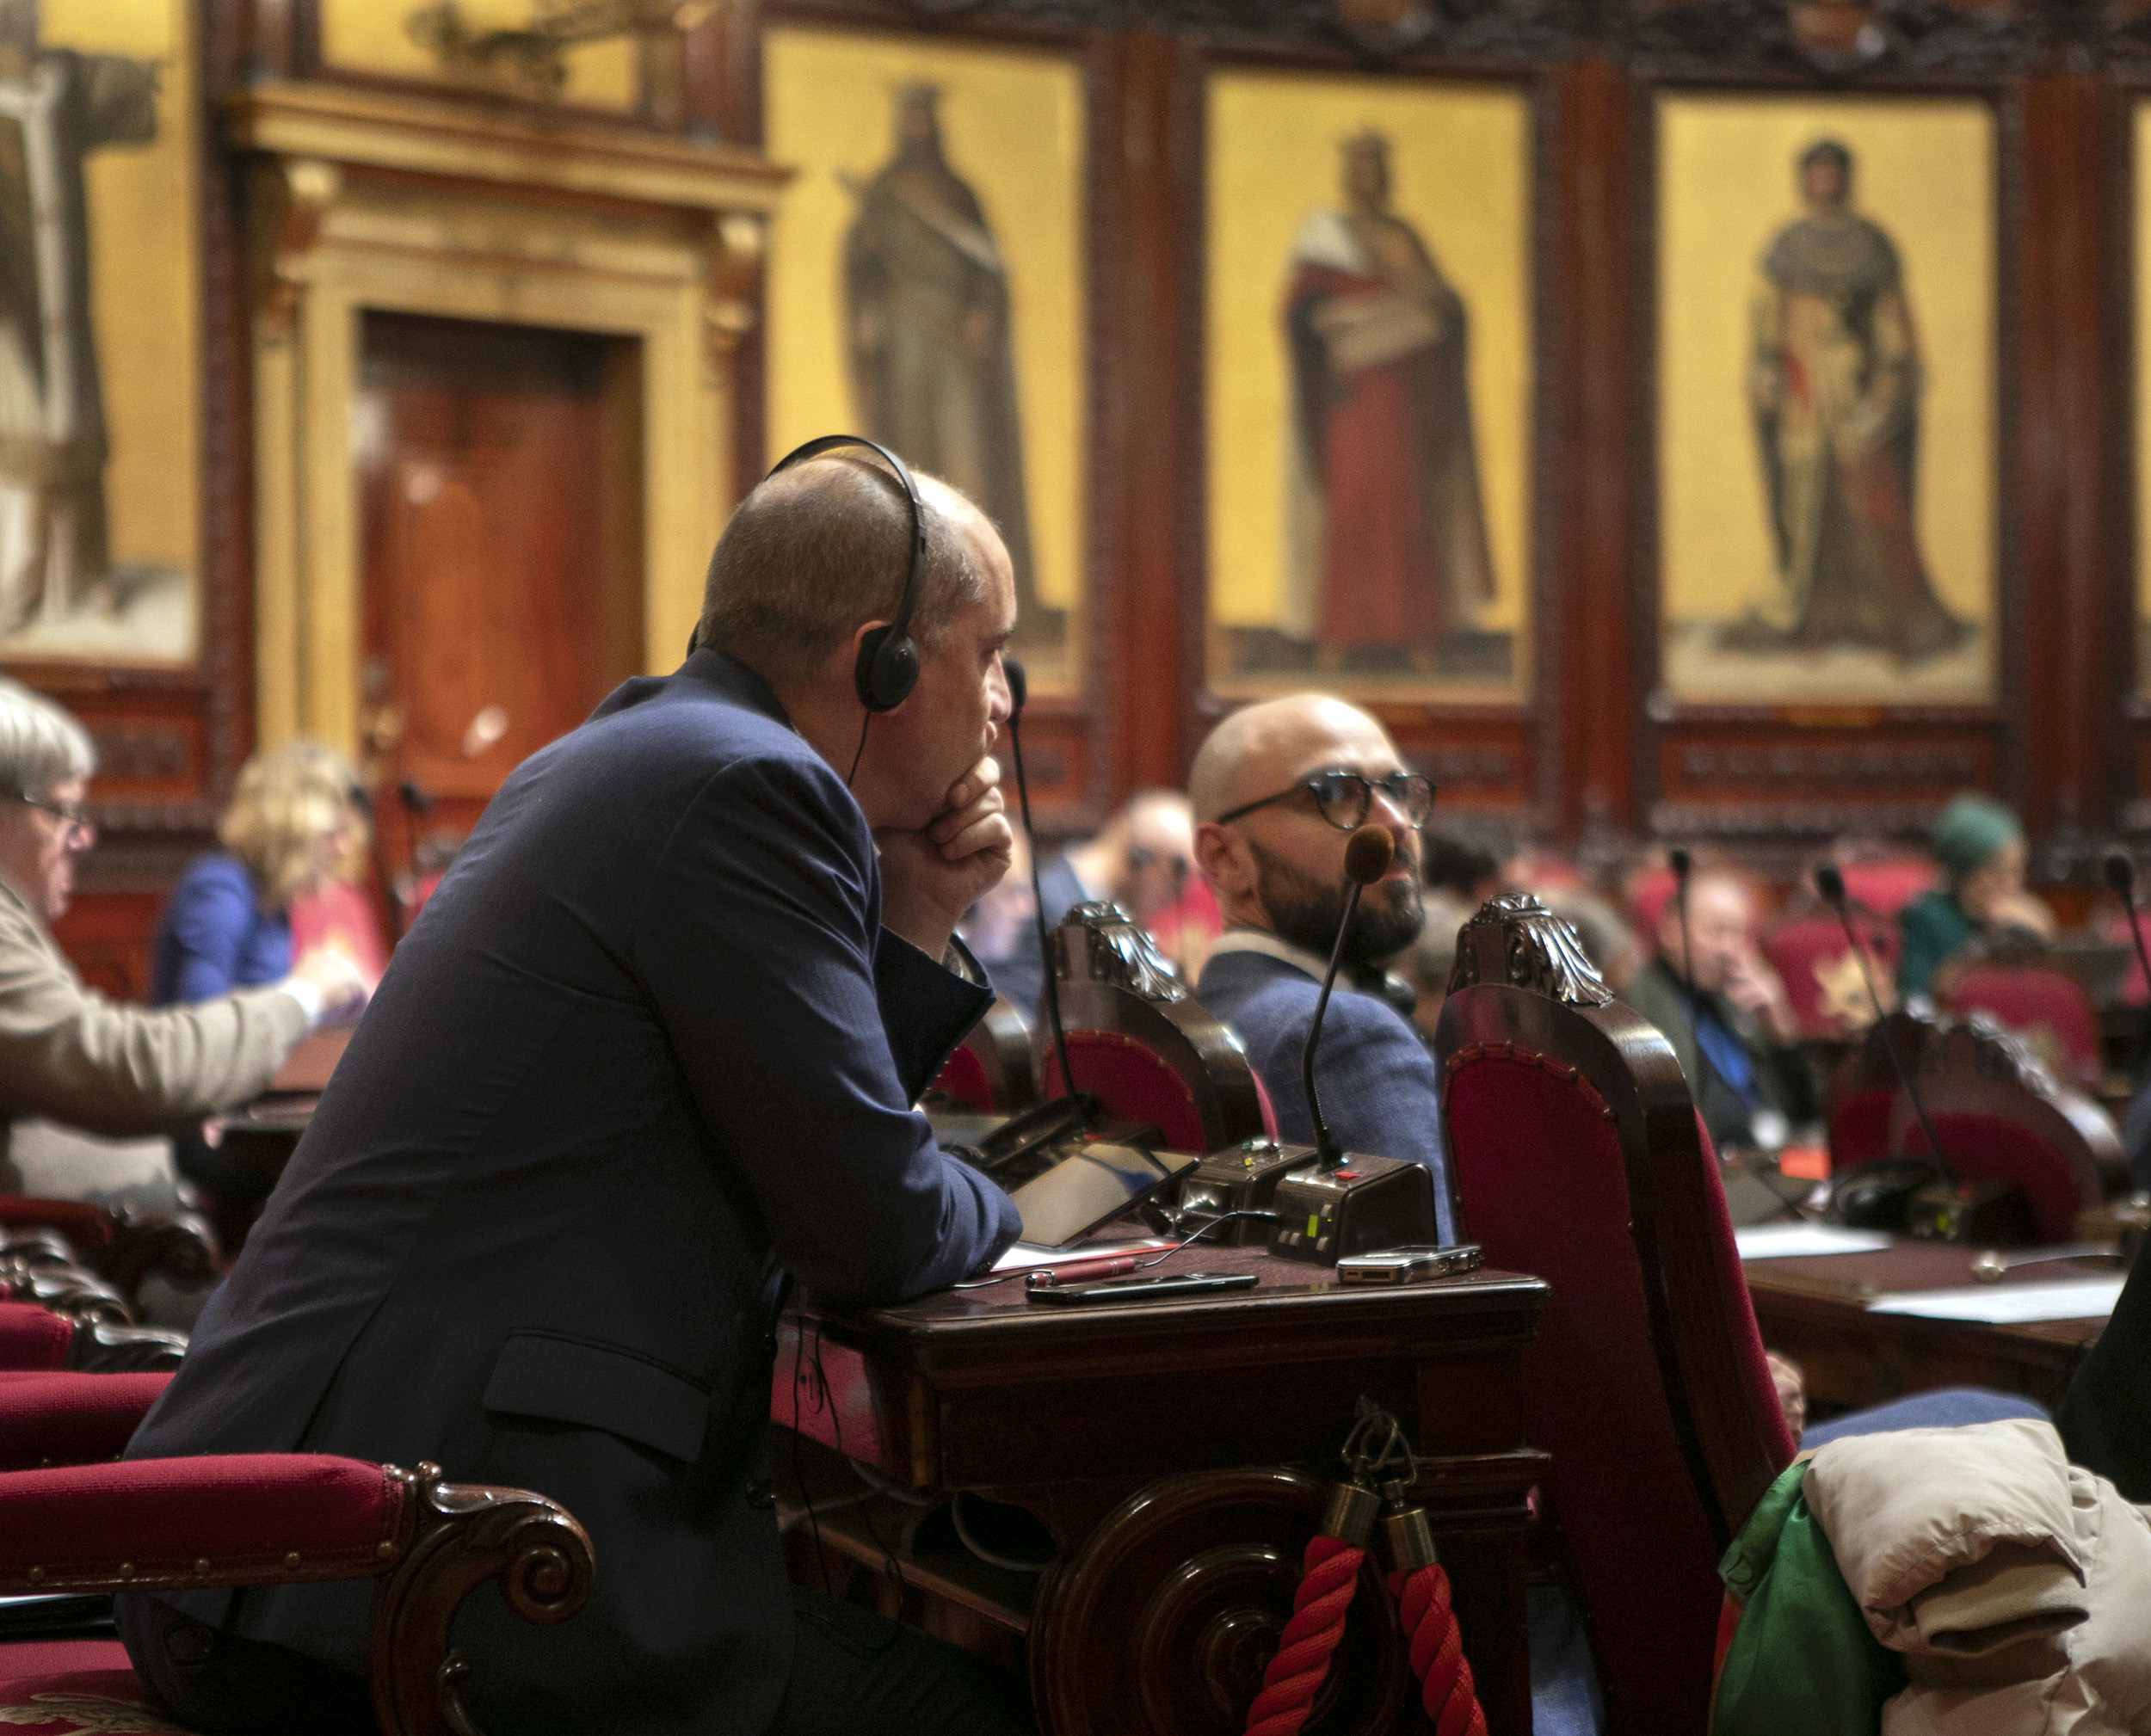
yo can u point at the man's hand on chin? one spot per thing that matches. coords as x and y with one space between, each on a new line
930 877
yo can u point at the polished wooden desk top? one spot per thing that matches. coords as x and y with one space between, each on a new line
956 1390
1814 1308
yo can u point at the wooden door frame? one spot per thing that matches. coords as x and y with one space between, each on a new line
360 201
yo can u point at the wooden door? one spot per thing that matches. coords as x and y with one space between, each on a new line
500 469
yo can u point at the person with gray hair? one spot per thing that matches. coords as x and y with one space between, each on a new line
69 1054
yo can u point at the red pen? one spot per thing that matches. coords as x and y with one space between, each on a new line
1080 1270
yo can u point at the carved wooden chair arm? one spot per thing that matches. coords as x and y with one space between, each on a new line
282 1518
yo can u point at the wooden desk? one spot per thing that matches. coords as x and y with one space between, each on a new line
1177 1453
261 1135
1814 1309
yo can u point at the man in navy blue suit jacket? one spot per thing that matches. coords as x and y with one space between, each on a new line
651 1047
1272 850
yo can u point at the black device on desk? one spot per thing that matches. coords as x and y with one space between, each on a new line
1240 1178
1069 1170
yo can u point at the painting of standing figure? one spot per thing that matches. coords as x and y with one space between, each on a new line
1826 367
926 314
1835 382
94 563
1367 386
1387 464
929 286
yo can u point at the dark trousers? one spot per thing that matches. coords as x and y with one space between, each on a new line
851 1670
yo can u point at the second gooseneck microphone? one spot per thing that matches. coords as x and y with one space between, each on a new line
1831 884
1367 856
2121 875
1019 690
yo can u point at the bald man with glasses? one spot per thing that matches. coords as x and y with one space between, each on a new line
1277 790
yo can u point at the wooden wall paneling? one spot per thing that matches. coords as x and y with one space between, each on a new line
1591 639
1823 769
2066 696
2129 724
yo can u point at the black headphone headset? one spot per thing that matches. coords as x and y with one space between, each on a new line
888 666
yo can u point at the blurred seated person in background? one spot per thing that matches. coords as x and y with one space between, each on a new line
290 827
1277 789
66 1053
1728 1016
1467 858
1980 845
1142 861
1429 962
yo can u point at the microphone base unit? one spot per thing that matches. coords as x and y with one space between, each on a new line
1358 1204
1993 1214
1240 1178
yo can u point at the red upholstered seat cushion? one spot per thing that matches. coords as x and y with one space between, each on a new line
1540 1168
239 1512
85 1226
1135 1083
963 1080
2044 1006
1859 1128
1983 1148
48 1418
1887 887
60 1687
32 1337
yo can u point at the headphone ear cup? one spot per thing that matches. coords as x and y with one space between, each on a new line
887 670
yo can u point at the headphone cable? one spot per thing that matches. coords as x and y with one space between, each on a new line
859 753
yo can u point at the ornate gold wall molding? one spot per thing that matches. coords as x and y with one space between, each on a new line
362 201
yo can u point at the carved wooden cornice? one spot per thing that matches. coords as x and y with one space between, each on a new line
348 126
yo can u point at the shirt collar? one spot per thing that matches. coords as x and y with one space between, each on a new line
1270 946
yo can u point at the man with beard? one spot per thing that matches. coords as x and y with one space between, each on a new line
1277 789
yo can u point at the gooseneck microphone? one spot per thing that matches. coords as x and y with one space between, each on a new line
1019 690
1831 884
1367 855
1680 863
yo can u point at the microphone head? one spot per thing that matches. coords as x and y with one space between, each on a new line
2121 873
1830 884
1368 853
1678 859
415 799
1018 683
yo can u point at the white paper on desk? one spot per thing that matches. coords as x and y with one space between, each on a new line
1028 1256
2008 1304
1788 1240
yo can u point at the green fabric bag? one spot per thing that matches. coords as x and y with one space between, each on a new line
1803 1662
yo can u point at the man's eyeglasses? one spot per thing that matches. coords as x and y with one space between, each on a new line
71 815
1345 798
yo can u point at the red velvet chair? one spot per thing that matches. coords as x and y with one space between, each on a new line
1887 885
158 1525
121 1247
50 1418
988 1072
1577 1155
1821 974
35 1340
2000 1114
2048 1009
1141 1043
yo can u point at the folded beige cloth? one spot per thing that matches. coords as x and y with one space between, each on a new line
2017 1587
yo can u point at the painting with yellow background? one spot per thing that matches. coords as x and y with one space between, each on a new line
1368 385
1826 380
927 285
100 384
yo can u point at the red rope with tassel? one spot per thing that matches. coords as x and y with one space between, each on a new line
1297 1673
1447 1690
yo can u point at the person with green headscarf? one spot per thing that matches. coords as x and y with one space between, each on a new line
1980 845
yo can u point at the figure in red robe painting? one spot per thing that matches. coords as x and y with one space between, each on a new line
1388 555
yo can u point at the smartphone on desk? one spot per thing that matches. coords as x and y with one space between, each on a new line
1127 1290
1409 1265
